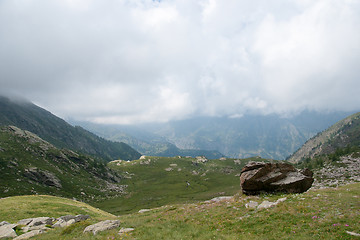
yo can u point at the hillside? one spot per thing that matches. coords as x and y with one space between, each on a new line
30 165
28 116
341 135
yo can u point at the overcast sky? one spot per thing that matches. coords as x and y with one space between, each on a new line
130 61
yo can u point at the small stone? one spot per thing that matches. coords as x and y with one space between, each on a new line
223 198
252 205
266 204
353 233
144 210
125 230
281 200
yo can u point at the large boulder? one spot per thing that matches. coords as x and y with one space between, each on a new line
259 177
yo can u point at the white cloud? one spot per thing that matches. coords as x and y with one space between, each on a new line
142 60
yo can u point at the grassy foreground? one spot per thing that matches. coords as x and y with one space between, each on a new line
317 214
15 208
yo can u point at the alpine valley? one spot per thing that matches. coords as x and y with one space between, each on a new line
186 187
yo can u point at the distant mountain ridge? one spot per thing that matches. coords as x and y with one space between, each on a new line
55 130
343 134
269 136
147 143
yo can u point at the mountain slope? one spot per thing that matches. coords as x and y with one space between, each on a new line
28 116
345 133
30 165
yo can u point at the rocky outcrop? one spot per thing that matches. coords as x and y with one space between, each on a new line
7 230
259 177
102 226
29 234
346 170
67 220
35 226
42 177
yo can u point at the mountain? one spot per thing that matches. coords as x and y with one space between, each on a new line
30 165
343 134
269 136
147 143
28 116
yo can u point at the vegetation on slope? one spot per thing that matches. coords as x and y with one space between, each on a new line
28 116
30 165
343 134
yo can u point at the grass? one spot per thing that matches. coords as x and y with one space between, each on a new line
151 185
15 208
317 214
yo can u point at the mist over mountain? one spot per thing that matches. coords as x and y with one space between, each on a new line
268 136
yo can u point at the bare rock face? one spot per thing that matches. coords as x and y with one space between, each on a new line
43 177
259 177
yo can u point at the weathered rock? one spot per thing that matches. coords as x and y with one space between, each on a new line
252 205
144 210
3 223
264 204
40 221
222 198
257 177
29 234
81 217
24 221
67 220
353 234
42 227
63 223
125 230
102 226
7 231
43 177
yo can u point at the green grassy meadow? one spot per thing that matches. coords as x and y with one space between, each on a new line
158 181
